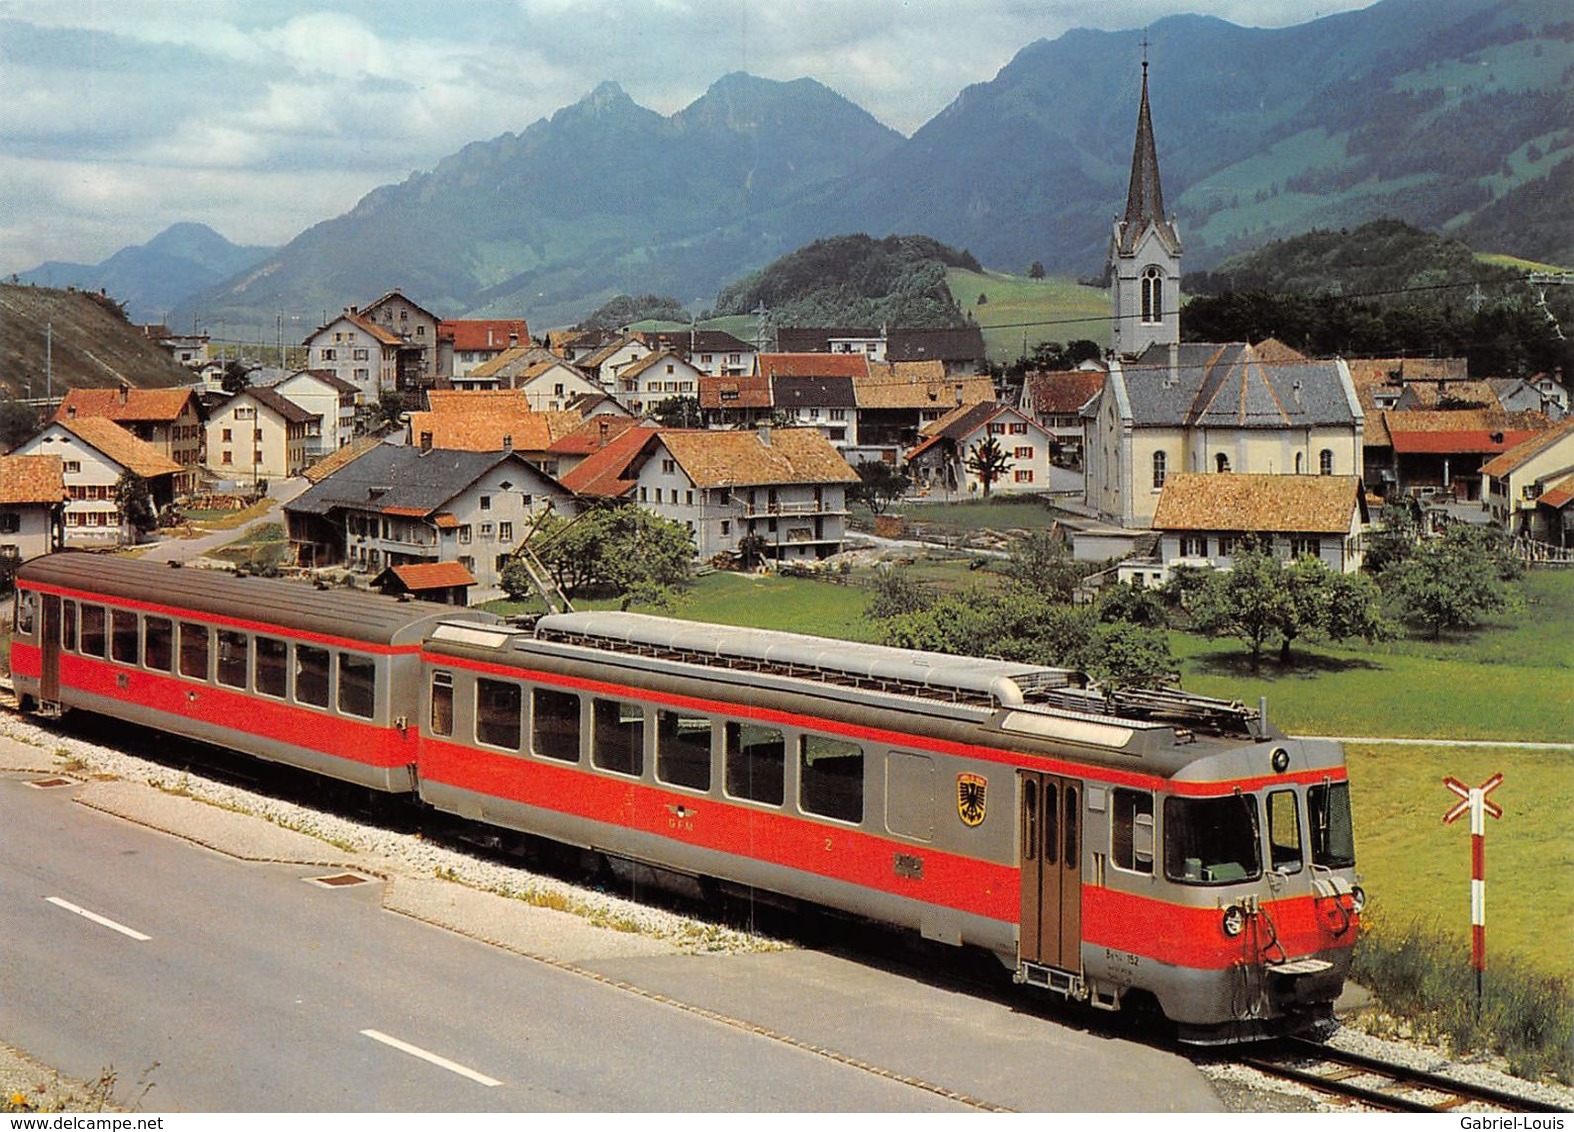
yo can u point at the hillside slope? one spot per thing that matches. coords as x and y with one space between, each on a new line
93 345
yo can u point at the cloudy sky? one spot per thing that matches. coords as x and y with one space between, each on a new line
262 117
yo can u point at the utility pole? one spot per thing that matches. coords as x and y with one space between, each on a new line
49 363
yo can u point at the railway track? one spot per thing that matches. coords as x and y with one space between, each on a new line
1378 1084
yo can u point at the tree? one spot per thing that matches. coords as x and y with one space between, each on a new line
629 552
1040 561
897 593
18 422
236 377
677 412
988 461
1035 270
1450 582
1120 654
135 503
879 485
1247 601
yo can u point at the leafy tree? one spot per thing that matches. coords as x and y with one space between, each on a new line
1450 582
1392 539
135 503
236 377
1040 561
988 461
677 412
1035 270
1136 605
622 310
18 422
1121 654
897 593
389 410
879 485
1247 601
632 553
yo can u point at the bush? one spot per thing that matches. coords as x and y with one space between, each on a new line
1425 974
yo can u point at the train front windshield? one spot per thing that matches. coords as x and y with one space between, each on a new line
1212 840
1333 830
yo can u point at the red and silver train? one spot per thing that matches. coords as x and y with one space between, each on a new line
1142 849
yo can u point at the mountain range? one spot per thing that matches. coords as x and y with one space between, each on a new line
1453 115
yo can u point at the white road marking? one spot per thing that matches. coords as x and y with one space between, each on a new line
427 1055
97 919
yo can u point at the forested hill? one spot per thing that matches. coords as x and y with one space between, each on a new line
855 281
51 340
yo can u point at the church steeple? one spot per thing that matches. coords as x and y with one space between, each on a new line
1145 250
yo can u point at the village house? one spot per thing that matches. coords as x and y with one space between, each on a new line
645 382
259 435
714 353
1529 487
95 453
1203 520
942 461
415 327
1056 400
865 341
897 399
1439 454
358 351
465 343
602 364
32 506
735 401
547 381
170 421
333 401
396 505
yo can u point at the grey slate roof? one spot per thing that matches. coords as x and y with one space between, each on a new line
1230 385
959 344
813 392
404 478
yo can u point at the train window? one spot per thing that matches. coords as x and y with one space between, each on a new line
1030 820
233 654
123 635
683 749
158 643
68 625
442 703
910 795
1333 831
831 778
272 666
1212 840
1051 823
554 724
26 604
499 713
1131 830
1284 831
756 763
1072 839
357 685
311 675
93 630
617 736
194 651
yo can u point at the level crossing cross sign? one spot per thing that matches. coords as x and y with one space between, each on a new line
1473 800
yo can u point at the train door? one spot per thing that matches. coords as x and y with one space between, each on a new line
1051 832
49 642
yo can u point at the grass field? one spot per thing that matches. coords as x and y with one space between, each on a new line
1023 312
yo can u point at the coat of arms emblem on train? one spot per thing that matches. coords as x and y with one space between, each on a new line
972 794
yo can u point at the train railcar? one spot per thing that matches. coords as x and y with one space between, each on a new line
1150 848
318 679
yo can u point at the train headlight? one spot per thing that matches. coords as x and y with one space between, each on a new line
1281 760
1234 922
1357 899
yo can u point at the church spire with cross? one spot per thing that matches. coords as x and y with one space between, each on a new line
1145 249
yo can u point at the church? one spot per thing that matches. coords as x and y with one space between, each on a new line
1210 407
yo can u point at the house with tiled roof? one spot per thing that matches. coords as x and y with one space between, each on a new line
547 381
398 505
168 420
734 401
939 464
1441 452
824 402
446 583
602 364
714 353
959 348
1056 400
812 365
608 471
896 399
326 396
1529 486
591 436
1203 519
260 435
358 350
320 470
645 382
465 343
95 453
865 341
1219 408
32 506
416 328
498 429
786 486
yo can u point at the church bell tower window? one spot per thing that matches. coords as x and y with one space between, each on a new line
1152 296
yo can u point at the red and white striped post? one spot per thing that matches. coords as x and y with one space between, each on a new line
1474 800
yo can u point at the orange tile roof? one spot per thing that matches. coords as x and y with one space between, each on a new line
1460 430
524 431
484 333
1527 449
1061 392
606 473
735 392
900 387
32 479
433 575
124 404
121 447
594 434
742 458
1203 501
813 365
1558 494
477 400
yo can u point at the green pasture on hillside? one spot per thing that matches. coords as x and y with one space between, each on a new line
1023 312
1417 870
